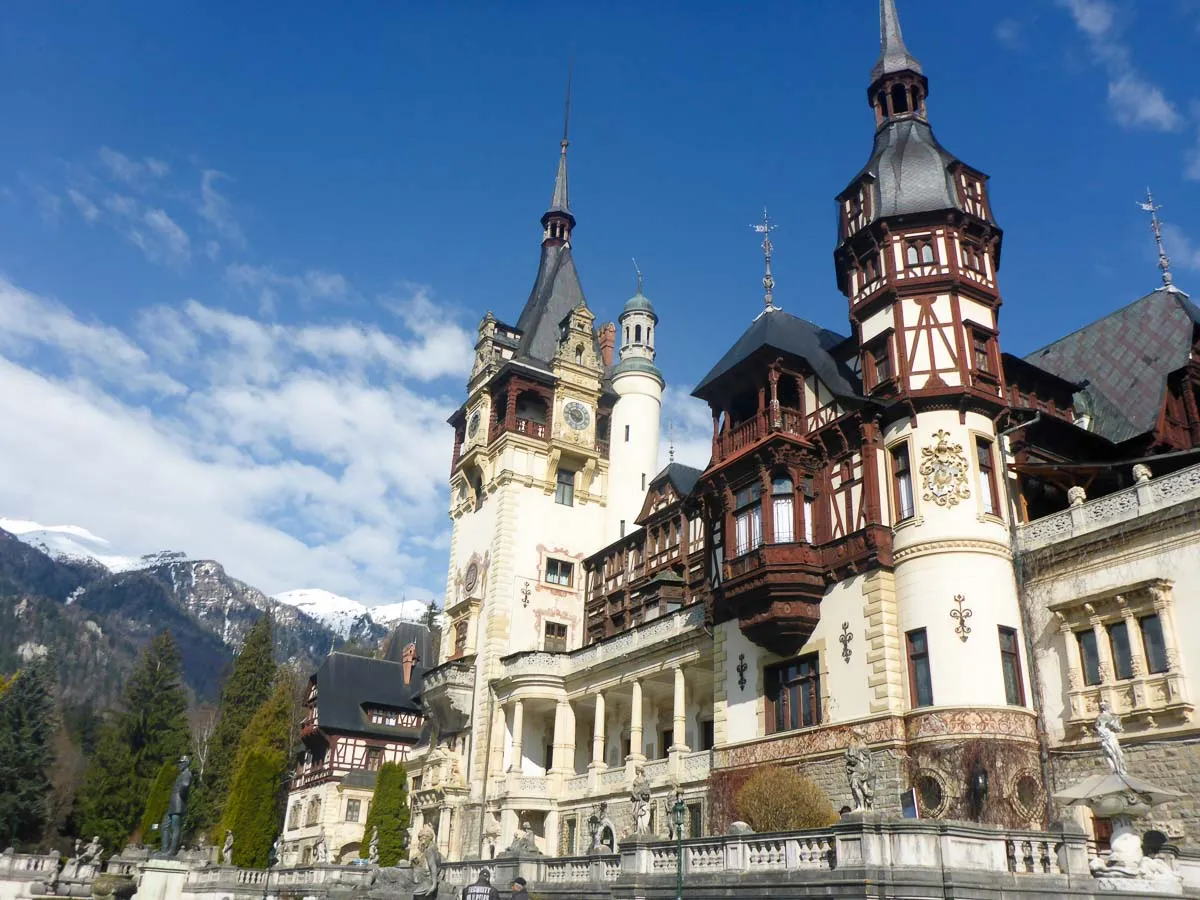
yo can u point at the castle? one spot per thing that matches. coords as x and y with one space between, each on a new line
861 561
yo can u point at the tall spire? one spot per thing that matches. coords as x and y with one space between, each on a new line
768 248
893 55
558 221
1164 262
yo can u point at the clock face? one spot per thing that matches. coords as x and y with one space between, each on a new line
473 424
472 577
576 414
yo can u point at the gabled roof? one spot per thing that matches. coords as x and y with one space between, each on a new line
786 333
346 684
555 293
1124 359
682 478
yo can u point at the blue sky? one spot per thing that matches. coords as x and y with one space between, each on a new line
244 253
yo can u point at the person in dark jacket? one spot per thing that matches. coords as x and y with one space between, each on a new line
518 889
482 888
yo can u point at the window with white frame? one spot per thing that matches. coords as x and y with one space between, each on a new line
782 503
747 518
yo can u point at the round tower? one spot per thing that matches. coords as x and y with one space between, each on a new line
633 448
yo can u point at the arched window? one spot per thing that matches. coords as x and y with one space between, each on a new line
899 99
579 355
911 256
783 508
649 334
637 334
927 253
627 334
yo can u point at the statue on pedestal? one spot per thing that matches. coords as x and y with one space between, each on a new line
373 847
860 771
172 824
524 843
227 849
426 865
1107 726
639 795
321 850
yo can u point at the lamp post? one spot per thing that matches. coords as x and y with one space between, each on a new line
593 824
679 813
272 858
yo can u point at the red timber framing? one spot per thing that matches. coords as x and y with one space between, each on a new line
791 498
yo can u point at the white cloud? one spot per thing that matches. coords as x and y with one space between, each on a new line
216 210
89 210
1134 101
166 241
1008 32
267 285
49 204
1184 253
687 423
130 171
301 454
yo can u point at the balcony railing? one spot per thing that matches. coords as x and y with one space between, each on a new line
531 428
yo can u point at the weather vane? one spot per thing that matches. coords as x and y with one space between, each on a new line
1164 263
671 442
639 275
768 281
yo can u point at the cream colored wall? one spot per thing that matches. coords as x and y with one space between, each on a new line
951 550
844 690
639 407
1142 556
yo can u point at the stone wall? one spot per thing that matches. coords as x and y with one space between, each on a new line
1170 764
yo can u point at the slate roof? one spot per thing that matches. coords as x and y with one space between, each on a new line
405 633
347 683
893 55
682 478
556 292
910 171
787 333
1124 359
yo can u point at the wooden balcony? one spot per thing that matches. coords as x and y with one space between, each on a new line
753 430
775 593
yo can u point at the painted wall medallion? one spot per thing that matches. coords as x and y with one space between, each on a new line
576 415
944 468
473 424
472 577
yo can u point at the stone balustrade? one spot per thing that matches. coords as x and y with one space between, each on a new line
1142 498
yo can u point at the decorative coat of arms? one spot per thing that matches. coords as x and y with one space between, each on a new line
944 468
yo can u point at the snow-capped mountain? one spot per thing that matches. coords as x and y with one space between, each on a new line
345 616
71 543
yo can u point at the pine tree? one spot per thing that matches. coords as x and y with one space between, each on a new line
158 799
390 814
246 689
149 731
254 810
27 724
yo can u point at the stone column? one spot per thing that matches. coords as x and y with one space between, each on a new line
515 764
598 734
1137 652
635 724
564 738
679 727
1163 609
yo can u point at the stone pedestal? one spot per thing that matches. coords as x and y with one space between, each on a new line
161 879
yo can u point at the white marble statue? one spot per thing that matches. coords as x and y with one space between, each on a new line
639 795
1107 726
321 849
373 847
227 849
860 772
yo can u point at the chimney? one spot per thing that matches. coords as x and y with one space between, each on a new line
409 660
607 336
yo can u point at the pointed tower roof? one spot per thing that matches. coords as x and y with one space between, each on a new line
893 55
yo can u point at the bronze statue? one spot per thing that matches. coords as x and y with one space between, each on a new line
172 825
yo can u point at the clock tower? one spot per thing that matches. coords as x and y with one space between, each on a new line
529 486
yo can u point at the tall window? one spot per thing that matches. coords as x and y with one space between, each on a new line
559 571
793 692
556 637
353 808
809 503
979 352
1152 642
564 491
902 483
988 492
460 637
1089 655
919 252
572 829
374 759
627 434
881 361
1010 665
748 518
782 493
919 679
1122 655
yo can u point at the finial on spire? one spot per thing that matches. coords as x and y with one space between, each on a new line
768 281
639 275
567 110
1164 262
671 442
893 55
559 202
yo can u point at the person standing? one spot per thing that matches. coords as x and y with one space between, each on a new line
482 888
518 889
